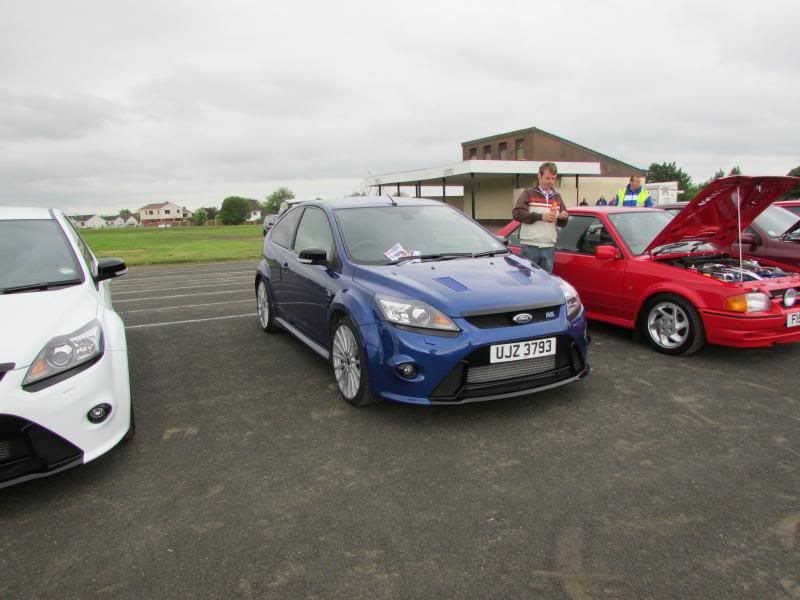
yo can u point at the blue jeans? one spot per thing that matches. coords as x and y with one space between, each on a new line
544 257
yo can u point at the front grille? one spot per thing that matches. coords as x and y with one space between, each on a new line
476 378
510 370
506 318
26 450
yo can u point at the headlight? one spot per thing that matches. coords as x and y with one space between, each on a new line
66 352
747 303
414 314
571 297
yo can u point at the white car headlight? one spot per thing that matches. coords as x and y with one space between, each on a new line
747 303
66 352
413 313
571 297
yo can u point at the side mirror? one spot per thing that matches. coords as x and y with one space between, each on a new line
503 240
606 252
108 268
313 256
748 239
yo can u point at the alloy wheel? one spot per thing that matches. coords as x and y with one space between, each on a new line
262 301
346 362
668 325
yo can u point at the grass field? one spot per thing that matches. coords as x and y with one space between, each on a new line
149 246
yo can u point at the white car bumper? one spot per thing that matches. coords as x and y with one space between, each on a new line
45 431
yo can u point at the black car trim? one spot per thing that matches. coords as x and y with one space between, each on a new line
504 309
303 338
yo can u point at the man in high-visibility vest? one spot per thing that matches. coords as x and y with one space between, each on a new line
633 195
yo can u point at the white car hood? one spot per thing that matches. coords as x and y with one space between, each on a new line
31 319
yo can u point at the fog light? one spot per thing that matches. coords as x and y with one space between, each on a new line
790 297
407 370
99 413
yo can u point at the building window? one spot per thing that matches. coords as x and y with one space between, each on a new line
520 149
166 211
503 151
473 153
149 212
487 153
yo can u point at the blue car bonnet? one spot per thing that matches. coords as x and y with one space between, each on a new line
463 285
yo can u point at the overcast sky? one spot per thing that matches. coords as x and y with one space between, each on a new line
111 104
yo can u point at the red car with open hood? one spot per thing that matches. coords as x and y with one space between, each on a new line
672 278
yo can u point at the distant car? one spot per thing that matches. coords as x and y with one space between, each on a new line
772 238
673 278
269 221
64 385
790 205
412 301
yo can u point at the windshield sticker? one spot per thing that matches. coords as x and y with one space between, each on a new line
66 271
396 252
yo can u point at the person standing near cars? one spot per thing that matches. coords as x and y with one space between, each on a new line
633 194
539 210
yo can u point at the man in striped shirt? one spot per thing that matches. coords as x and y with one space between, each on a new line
539 210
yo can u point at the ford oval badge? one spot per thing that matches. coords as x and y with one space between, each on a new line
523 318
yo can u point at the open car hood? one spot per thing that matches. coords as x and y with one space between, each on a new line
712 215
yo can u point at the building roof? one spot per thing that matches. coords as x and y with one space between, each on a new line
254 204
154 206
553 135
460 173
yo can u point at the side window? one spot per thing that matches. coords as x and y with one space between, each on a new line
314 232
283 233
583 234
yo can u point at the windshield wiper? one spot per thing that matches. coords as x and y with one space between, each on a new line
490 253
694 246
440 256
46 285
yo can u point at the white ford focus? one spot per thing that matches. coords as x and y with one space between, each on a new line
64 386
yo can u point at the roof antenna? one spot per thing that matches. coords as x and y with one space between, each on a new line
739 228
391 200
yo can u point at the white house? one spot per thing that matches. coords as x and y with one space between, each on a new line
131 222
114 221
88 221
162 213
255 211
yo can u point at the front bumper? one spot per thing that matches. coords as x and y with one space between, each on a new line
46 431
446 366
748 331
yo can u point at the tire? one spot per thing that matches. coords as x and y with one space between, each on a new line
129 435
349 365
266 316
671 325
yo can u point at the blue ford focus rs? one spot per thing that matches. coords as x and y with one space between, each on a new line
410 300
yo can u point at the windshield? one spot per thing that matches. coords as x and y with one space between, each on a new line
35 253
380 235
775 221
638 229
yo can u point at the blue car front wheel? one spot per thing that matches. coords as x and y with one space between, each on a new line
349 365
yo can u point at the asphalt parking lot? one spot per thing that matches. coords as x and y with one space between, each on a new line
655 477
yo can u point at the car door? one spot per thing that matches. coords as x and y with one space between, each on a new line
278 251
314 284
599 282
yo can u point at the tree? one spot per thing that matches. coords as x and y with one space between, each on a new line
671 172
211 212
795 191
199 217
125 214
234 211
735 171
273 201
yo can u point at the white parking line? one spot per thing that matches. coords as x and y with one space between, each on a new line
179 296
138 310
190 321
184 287
141 279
